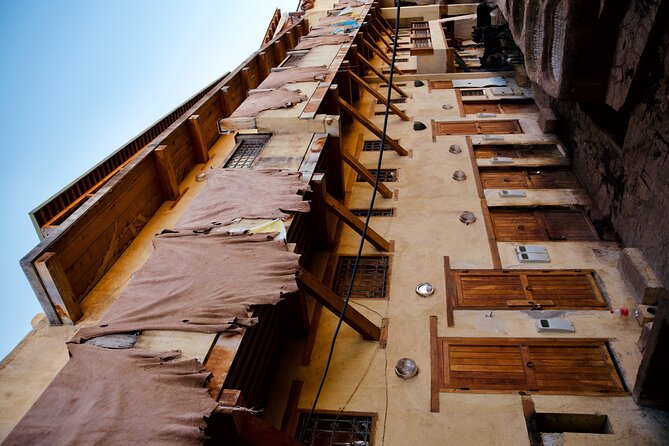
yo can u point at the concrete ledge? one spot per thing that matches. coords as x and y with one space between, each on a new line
640 278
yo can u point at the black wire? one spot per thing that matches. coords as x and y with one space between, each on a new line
364 230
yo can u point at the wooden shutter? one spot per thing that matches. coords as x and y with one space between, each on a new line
475 127
515 226
528 178
518 289
552 366
499 127
517 150
511 108
473 107
552 179
568 225
541 225
439 85
504 179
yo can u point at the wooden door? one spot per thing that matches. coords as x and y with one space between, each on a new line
521 289
476 127
520 225
473 107
552 366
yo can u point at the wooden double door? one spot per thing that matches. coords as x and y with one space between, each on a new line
517 151
528 225
554 366
541 178
476 127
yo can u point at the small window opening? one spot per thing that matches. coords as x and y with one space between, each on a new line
334 429
371 277
573 422
248 149
385 175
472 92
374 146
389 212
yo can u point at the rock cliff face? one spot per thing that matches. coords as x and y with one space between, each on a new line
618 133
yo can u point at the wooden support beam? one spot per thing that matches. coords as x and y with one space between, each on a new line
361 82
345 215
264 63
369 125
224 101
380 55
450 60
168 177
434 365
366 174
333 167
329 299
279 50
385 25
380 37
380 75
58 287
195 132
245 76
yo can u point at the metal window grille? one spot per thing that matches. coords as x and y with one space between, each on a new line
403 84
334 429
371 278
389 212
374 146
421 33
394 101
247 152
385 175
293 59
471 92
422 43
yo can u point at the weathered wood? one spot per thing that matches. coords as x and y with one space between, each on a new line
168 178
361 82
346 216
330 300
247 83
380 36
369 125
380 55
434 365
451 293
58 288
380 75
650 388
290 414
366 174
334 171
490 231
195 131
265 65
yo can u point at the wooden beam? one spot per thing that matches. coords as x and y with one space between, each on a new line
366 174
58 288
380 55
361 82
369 125
451 293
380 75
385 26
195 132
290 414
345 215
333 167
168 177
379 36
264 63
224 101
245 75
434 365
330 300
651 388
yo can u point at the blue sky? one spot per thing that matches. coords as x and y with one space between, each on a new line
78 79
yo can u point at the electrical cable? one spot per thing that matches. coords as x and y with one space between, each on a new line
364 230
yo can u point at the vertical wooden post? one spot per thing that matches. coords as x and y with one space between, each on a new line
58 288
333 168
279 49
195 132
450 60
224 101
168 177
264 64
245 76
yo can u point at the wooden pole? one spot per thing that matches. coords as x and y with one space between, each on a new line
195 132
58 288
380 55
369 125
380 75
364 173
168 177
330 300
360 81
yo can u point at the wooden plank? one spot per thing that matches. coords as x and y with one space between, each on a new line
477 127
366 174
403 116
168 177
346 216
380 75
434 366
290 413
474 107
371 127
451 292
475 169
491 231
195 131
58 288
520 225
326 297
313 332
